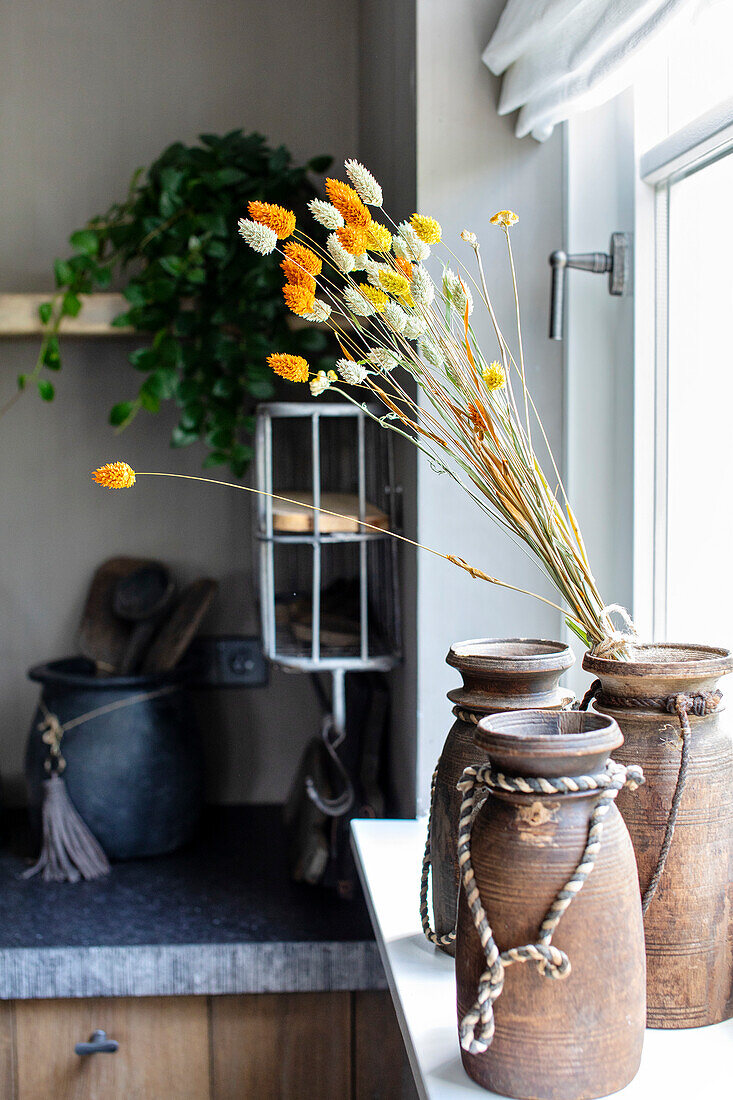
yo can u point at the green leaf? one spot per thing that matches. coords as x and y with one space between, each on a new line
261 390
45 389
180 437
216 458
22 379
122 320
86 241
135 294
51 358
45 311
149 401
144 359
63 273
578 630
319 164
120 413
162 382
173 265
71 305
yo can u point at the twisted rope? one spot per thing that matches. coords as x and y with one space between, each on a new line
683 704
615 643
432 937
476 1029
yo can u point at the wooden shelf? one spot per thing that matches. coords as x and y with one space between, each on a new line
19 315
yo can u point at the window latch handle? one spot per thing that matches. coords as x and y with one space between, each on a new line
615 263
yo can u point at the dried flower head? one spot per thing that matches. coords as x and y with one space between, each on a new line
342 259
298 299
321 312
428 229
348 204
372 293
275 217
351 372
258 236
297 276
325 214
364 183
422 286
505 218
382 359
357 303
456 292
493 375
430 351
115 475
319 384
415 327
405 266
293 367
352 240
394 317
303 257
408 245
469 237
394 283
378 238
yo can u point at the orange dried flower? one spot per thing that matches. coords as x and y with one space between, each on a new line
303 256
405 267
352 240
348 204
293 367
277 218
115 475
296 276
298 299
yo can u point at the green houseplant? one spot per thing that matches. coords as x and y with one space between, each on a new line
210 309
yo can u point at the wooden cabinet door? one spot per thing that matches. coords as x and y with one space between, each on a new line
282 1046
163 1049
381 1068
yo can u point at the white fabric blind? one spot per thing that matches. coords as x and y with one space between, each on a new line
562 56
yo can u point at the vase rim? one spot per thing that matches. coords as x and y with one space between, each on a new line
665 659
540 742
503 652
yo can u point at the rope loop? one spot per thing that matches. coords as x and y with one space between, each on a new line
476 1029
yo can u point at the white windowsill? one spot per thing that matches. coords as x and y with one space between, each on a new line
676 1065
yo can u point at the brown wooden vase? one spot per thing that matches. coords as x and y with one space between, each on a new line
498 674
581 1036
688 923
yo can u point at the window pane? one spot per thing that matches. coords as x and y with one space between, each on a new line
700 506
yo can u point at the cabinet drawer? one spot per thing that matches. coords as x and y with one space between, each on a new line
163 1049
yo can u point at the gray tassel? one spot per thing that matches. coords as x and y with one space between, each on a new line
69 851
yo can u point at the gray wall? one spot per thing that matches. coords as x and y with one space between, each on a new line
89 91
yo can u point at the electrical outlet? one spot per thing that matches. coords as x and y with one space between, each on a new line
228 660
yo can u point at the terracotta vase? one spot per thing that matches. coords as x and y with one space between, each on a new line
498 674
581 1036
688 922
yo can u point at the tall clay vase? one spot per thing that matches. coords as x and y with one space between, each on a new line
498 674
688 922
581 1035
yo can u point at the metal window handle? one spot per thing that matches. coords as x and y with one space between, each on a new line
616 262
98 1044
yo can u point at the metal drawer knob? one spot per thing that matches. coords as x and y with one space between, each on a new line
98 1044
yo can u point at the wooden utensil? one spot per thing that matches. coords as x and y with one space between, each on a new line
142 598
177 632
103 637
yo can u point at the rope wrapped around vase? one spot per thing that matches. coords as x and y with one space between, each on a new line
476 1029
69 850
699 703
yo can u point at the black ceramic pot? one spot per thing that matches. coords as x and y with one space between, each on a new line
135 773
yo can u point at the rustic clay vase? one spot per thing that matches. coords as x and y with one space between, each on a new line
498 674
581 1036
688 924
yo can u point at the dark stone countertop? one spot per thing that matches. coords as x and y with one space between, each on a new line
220 916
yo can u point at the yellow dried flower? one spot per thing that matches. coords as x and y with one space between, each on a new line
115 475
296 276
505 218
298 299
394 283
351 240
428 229
293 367
493 376
348 204
372 293
332 376
304 257
277 218
378 238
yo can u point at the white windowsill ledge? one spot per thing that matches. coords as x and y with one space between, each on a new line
676 1065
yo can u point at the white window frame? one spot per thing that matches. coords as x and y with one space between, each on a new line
692 148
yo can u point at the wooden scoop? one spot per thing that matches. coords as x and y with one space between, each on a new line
142 598
103 636
177 632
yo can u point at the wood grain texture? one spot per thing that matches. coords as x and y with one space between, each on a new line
381 1068
7 1051
163 1049
281 1047
19 315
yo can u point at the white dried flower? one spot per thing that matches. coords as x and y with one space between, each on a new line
364 183
431 352
415 327
361 261
321 311
258 236
394 317
456 292
414 249
422 287
319 384
372 269
469 237
383 359
325 213
357 303
342 259
351 372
